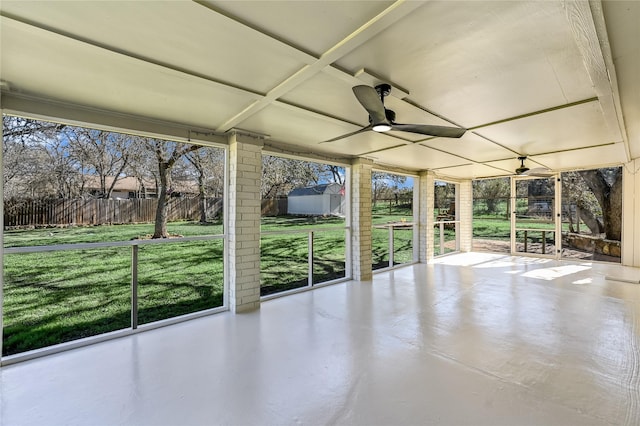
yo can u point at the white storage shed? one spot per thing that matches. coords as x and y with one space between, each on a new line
325 199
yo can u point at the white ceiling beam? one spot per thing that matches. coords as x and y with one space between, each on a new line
588 27
111 121
374 26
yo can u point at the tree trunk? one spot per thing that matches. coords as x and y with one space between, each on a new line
202 199
160 230
612 212
589 219
610 199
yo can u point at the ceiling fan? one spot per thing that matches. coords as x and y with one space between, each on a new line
384 120
537 171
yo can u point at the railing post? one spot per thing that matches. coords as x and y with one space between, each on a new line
441 237
310 258
391 245
525 242
134 286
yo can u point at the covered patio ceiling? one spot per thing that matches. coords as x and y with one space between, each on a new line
556 81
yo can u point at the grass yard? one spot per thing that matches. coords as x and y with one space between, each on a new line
284 261
59 296
385 213
491 229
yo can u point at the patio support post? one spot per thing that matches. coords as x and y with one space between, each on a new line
425 216
243 224
464 214
361 244
631 214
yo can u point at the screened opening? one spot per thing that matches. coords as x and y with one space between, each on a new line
592 214
535 216
491 216
104 231
392 219
589 215
303 227
445 218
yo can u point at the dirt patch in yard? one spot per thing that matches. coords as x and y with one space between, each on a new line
498 246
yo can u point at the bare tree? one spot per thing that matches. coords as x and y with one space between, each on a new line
104 155
63 170
281 175
209 167
384 185
26 164
167 155
337 173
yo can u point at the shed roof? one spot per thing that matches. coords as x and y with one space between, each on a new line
311 190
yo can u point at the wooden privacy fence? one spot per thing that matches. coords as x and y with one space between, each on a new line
26 213
274 206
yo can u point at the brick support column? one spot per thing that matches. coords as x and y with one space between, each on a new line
361 220
425 216
464 210
243 230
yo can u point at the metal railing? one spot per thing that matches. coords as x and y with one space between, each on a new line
134 292
539 244
392 227
310 258
442 225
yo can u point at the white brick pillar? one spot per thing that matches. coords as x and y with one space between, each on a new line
361 220
425 216
464 212
243 211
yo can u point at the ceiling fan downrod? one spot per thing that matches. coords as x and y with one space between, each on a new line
383 91
522 168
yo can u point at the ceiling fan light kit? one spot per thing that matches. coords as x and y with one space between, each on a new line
383 127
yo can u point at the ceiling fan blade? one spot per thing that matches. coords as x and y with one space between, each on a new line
429 130
539 172
364 129
370 100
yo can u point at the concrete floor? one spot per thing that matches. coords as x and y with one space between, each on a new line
474 339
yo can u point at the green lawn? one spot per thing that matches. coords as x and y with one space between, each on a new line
385 213
59 296
491 229
284 258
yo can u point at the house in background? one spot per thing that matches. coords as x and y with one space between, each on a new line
325 199
131 187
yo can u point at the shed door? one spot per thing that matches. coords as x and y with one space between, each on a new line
335 203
